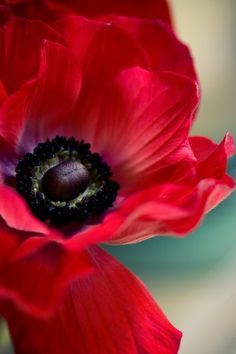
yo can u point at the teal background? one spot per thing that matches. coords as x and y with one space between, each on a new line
193 279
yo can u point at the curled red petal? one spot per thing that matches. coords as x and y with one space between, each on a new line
176 205
211 157
167 209
109 311
212 164
16 214
221 189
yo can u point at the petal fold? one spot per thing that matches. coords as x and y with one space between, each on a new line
20 46
39 109
36 274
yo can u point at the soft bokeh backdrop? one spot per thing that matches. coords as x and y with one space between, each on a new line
193 279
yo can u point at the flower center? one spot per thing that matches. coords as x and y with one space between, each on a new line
63 181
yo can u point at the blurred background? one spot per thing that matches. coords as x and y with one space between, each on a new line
193 279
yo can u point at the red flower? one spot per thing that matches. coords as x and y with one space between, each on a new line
128 87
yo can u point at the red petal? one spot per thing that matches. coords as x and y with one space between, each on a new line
49 9
107 312
212 158
151 9
165 209
56 93
93 235
151 115
170 208
98 47
37 273
15 212
20 45
149 44
160 46
41 107
212 164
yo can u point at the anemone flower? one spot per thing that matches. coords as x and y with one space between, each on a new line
95 114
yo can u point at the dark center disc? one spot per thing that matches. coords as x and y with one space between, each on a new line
65 181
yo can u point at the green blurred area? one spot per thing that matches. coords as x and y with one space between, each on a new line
5 346
193 278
